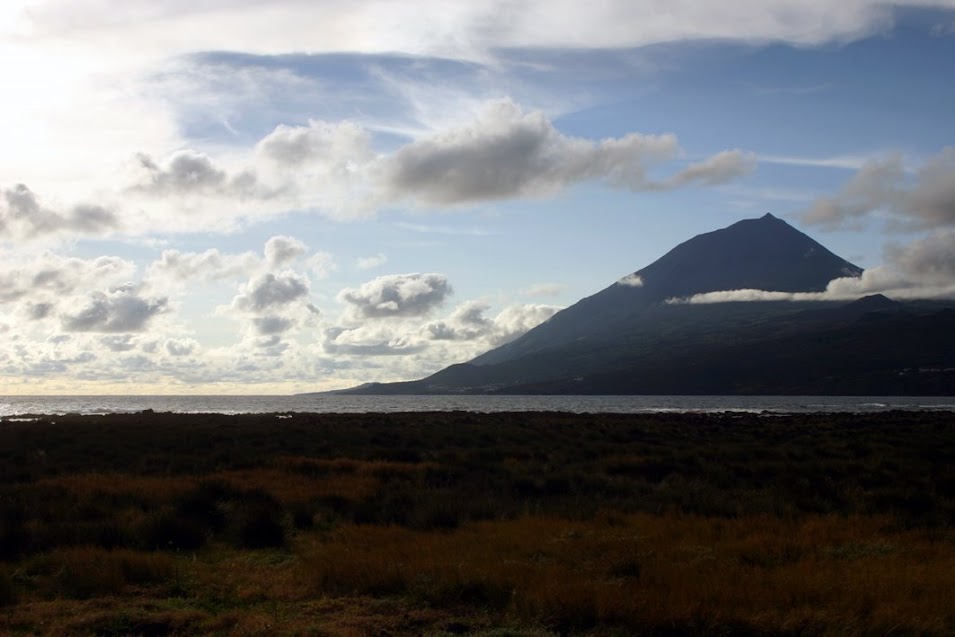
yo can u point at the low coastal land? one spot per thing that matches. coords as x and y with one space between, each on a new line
523 524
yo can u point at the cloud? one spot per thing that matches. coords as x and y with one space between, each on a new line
210 265
631 280
371 340
372 262
875 185
515 320
188 172
469 29
931 258
269 325
932 199
545 290
53 277
119 310
502 153
118 343
925 200
507 153
267 291
334 145
397 295
282 250
180 346
718 169
468 323
23 217
321 264
40 311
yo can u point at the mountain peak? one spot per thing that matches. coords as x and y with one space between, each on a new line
764 254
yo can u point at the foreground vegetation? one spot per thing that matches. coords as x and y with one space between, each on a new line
459 523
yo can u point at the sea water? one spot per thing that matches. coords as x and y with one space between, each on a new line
12 406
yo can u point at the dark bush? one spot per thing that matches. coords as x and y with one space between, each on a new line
257 522
13 537
8 595
167 530
207 505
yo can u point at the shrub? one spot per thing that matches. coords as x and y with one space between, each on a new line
13 538
167 530
257 524
8 595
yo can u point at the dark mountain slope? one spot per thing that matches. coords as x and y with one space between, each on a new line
764 254
628 339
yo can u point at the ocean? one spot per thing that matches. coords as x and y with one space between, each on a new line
14 406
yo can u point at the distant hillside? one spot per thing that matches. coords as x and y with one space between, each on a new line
627 339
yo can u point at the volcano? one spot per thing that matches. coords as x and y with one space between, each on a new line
639 336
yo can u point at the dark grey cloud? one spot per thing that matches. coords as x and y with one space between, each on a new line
118 343
39 311
91 219
932 199
271 346
507 153
268 325
718 169
120 310
180 346
398 295
185 171
188 172
269 290
137 363
923 200
23 216
49 275
282 250
929 259
467 322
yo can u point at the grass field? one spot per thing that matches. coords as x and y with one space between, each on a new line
460 523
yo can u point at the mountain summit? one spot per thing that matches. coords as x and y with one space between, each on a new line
760 254
628 339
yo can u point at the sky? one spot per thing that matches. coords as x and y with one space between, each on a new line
280 196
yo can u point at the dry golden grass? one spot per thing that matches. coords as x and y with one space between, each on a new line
823 574
144 488
94 572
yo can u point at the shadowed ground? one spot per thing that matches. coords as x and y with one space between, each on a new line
493 524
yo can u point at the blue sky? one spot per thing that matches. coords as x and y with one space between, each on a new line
240 196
